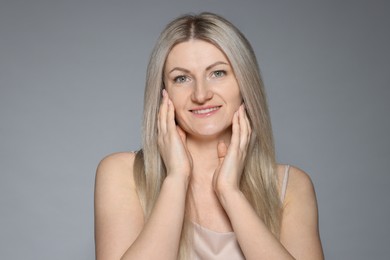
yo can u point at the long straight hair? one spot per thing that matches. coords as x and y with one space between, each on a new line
259 179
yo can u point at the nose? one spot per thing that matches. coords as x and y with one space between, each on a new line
201 92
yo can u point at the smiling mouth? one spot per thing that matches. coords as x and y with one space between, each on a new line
205 111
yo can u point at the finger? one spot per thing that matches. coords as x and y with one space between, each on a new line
248 123
243 128
221 150
235 140
249 127
163 113
171 126
158 123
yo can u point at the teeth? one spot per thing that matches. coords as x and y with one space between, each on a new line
205 111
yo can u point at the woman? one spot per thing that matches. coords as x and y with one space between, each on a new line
206 184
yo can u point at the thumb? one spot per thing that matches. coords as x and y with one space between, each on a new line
222 150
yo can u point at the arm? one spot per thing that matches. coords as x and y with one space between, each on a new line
121 232
299 230
118 213
299 238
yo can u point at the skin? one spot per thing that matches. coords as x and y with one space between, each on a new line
206 151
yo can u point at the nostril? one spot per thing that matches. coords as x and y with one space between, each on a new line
202 95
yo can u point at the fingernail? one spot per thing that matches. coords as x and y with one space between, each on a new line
164 92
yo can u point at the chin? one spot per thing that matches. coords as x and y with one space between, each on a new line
211 132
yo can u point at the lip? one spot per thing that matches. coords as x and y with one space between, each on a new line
205 111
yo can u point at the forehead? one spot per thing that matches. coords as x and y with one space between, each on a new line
194 54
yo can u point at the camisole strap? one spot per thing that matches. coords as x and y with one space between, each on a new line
284 185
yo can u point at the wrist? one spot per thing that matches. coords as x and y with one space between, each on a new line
178 179
229 196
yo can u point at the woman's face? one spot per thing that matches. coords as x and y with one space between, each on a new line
203 88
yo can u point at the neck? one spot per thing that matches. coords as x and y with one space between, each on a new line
205 156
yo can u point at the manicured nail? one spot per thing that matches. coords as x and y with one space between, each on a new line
164 92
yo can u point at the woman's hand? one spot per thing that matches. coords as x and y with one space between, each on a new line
172 141
232 159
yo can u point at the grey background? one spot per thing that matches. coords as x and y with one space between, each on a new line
71 90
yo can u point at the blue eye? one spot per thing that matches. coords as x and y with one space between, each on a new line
219 73
180 79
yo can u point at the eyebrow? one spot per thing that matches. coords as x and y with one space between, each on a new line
208 67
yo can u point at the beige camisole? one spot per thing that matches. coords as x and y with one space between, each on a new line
208 244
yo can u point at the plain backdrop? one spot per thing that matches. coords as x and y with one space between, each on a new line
71 91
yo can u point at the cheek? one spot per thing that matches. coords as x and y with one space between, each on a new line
176 101
178 97
233 92
178 104
235 97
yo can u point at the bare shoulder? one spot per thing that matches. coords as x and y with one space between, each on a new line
118 212
115 188
299 183
114 182
119 160
299 229
117 166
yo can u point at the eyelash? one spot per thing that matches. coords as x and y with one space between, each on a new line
176 79
183 78
219 71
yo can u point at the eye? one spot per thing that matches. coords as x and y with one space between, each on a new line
219 73
180 79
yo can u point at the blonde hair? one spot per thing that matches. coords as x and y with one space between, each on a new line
259 180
